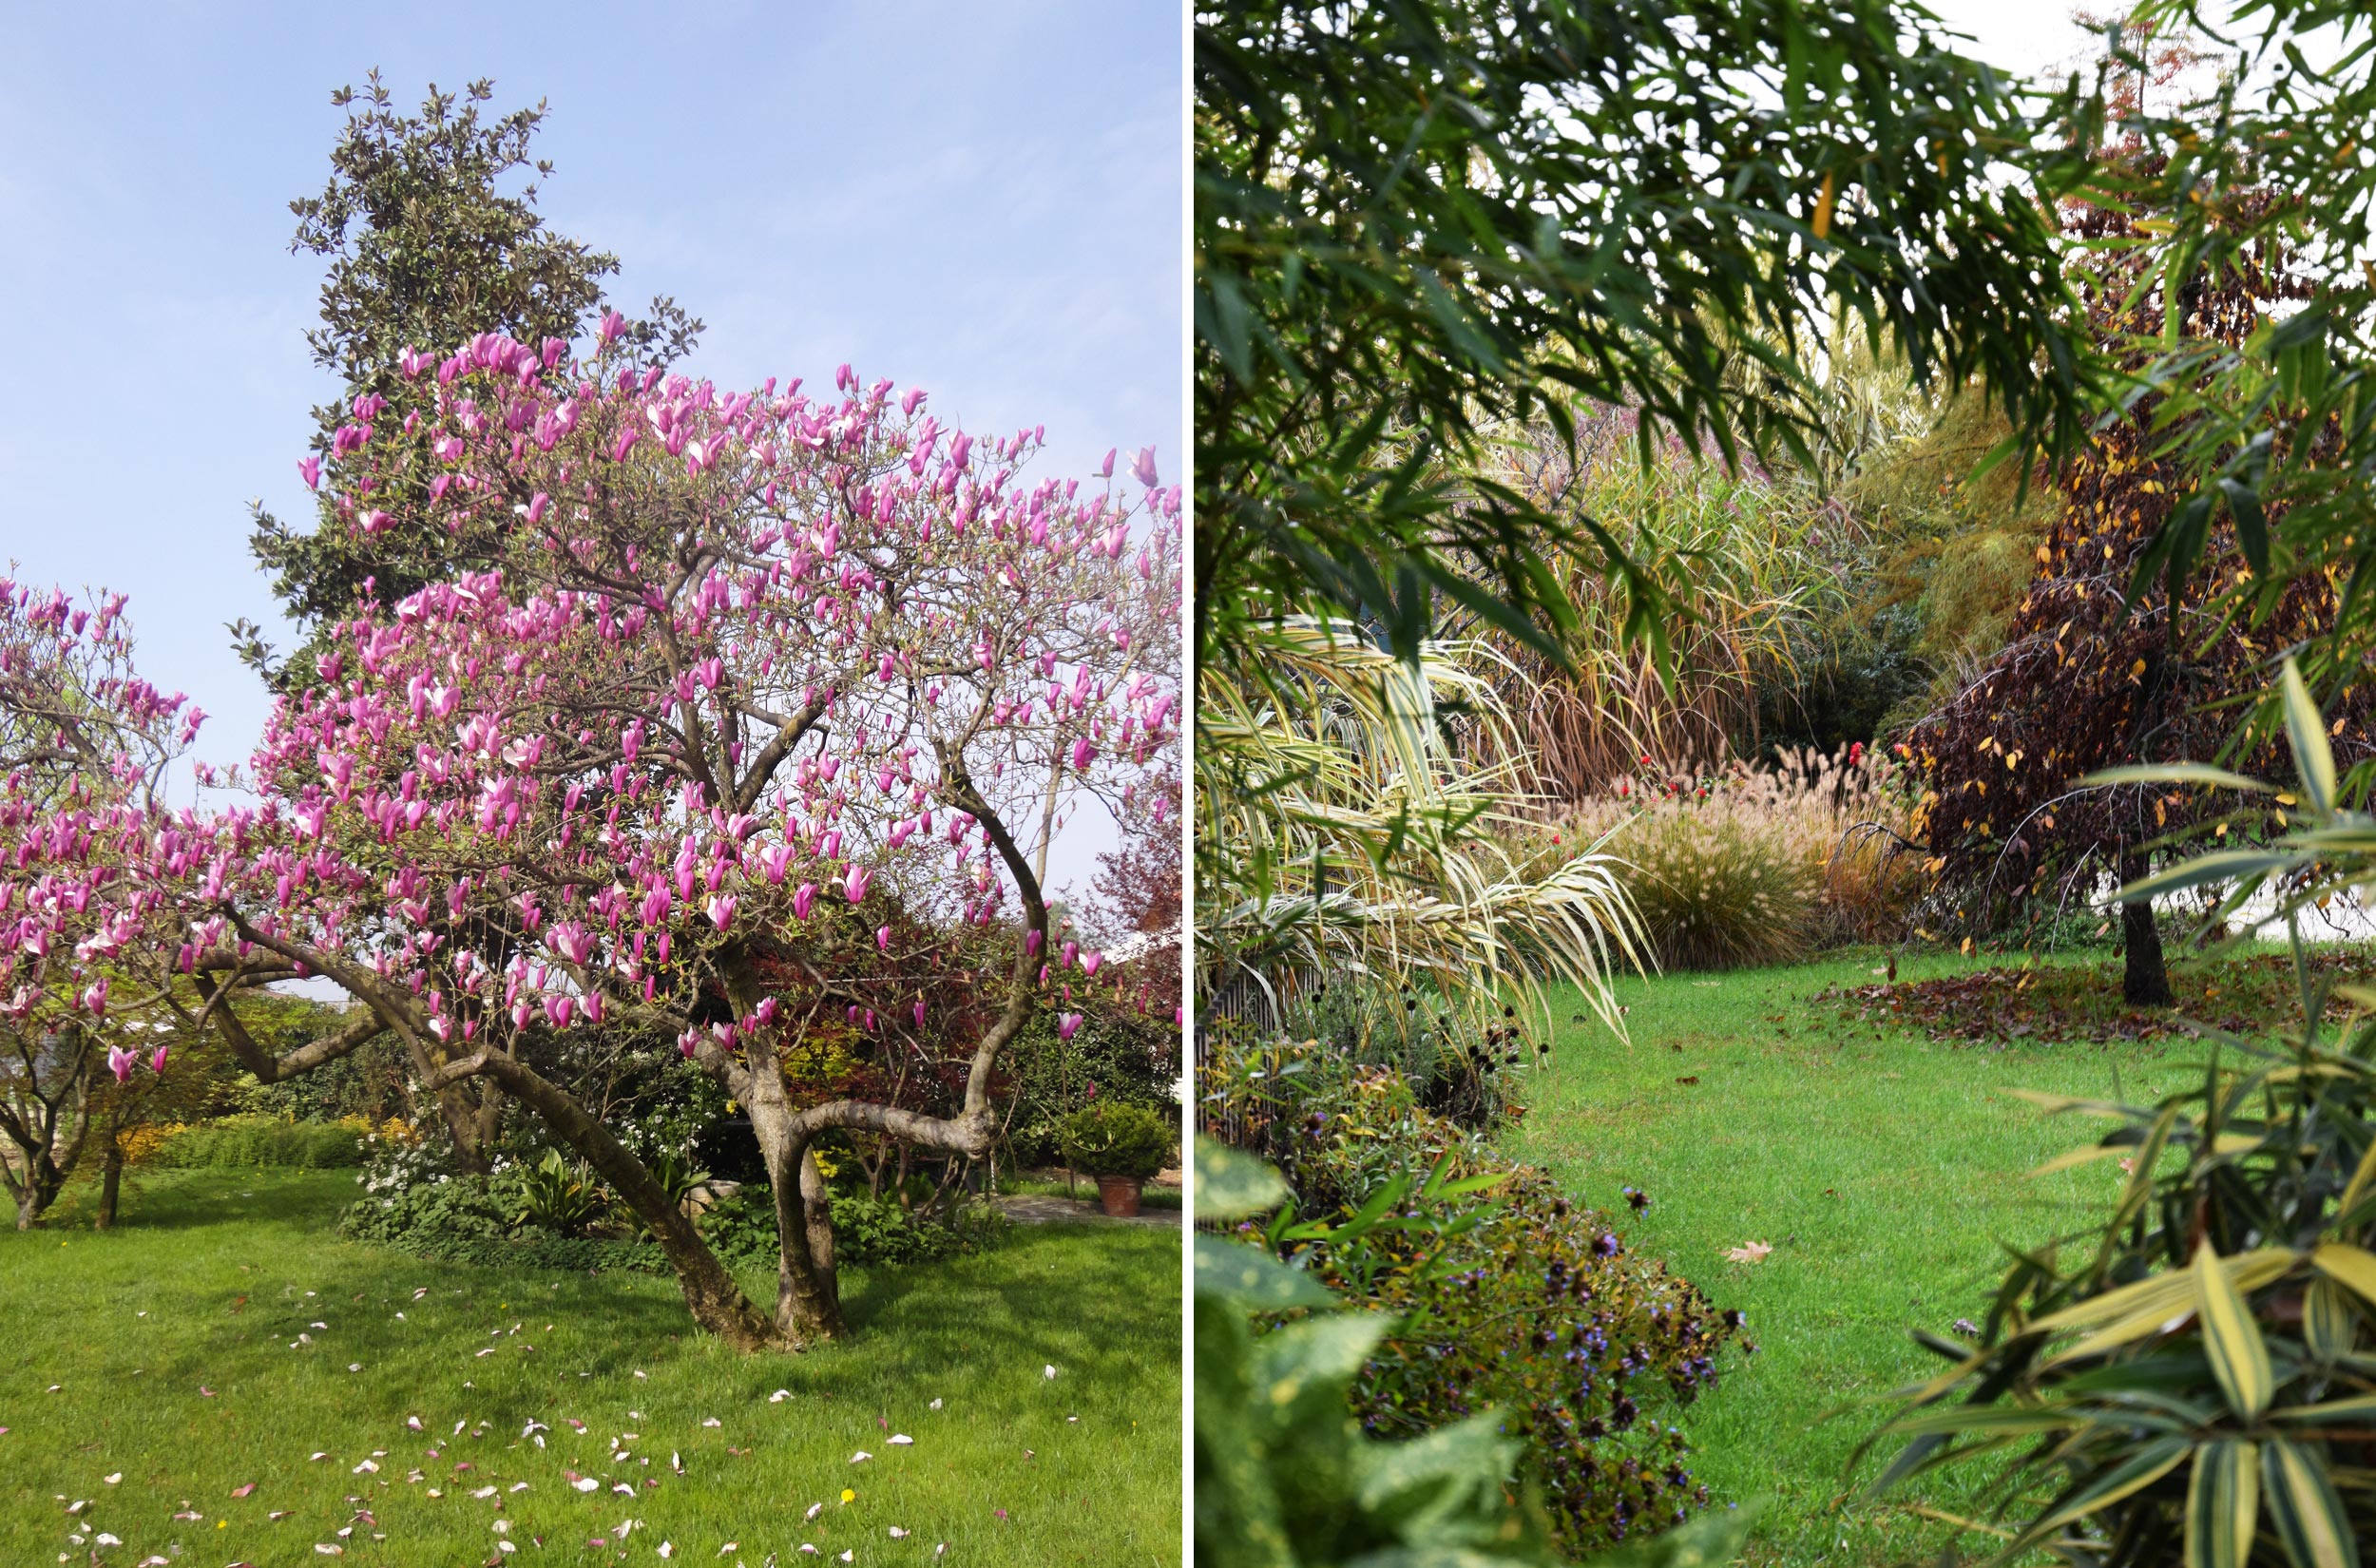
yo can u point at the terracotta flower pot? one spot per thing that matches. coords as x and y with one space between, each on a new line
1119 1194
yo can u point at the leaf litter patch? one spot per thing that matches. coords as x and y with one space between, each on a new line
2081 1004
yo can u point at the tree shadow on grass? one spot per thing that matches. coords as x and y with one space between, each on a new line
184 1200
1098 1303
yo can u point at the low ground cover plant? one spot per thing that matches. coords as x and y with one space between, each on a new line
1512 1297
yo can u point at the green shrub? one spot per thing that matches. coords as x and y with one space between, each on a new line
2204 1356
1457 1070
742 1227
479 1219
1118 1140
1116 1055
475 1219
1528 1303
246 1141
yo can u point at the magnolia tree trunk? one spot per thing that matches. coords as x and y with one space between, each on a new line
36 1182
717 1303
2144 977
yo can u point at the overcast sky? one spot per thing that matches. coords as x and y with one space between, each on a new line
978 197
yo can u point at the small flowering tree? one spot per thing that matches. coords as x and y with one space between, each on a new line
760 677
83 746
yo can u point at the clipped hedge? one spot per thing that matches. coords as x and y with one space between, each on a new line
244 1143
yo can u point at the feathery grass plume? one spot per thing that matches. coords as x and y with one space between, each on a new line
1737 866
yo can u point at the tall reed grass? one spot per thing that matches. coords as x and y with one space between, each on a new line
1760 562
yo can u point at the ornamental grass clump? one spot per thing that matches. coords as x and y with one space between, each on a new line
1737 866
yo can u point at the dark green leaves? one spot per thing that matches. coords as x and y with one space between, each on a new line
1418 219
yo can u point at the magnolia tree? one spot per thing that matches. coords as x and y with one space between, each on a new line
83 747
759 676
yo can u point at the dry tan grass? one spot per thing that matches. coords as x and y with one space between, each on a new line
1732 866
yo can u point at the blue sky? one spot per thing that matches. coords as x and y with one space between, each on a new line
983 198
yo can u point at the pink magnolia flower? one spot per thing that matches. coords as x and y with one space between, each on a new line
722 910
120 1063
1067 1025
856 882
803 900
157 1059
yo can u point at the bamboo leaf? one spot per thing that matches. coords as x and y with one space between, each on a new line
2303 1505
2348 1266
2306 728
2222 1505
2141 1469
2175 773
2239 1357
2327 1321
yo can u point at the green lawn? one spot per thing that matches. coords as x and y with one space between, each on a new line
167 1353
1880 1166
